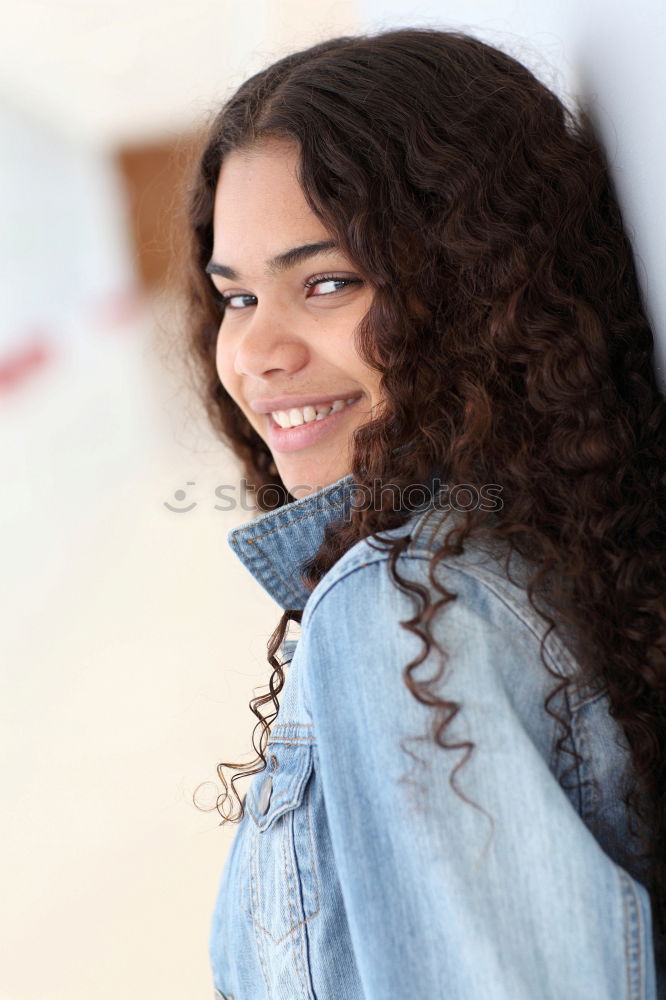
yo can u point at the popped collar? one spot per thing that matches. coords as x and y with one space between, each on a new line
275 545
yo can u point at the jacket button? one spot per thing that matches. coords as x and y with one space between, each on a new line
265 794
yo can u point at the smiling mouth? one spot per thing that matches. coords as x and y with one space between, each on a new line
315 412
308 433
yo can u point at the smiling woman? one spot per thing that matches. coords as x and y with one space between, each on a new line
414 310
292 302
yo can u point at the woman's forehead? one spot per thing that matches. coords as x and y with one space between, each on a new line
260 210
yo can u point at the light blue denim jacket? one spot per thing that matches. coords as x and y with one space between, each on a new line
357 871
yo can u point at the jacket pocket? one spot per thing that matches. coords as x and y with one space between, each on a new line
280 883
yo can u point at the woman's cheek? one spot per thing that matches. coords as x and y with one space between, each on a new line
223 362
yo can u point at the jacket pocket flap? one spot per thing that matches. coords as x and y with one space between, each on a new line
281 785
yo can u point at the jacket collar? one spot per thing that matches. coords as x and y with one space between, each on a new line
275 545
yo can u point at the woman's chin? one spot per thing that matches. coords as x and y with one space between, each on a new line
302 482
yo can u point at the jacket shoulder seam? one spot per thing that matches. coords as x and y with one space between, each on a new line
558 650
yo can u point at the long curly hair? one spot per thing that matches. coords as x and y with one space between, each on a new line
513 347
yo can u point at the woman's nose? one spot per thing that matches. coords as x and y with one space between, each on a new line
269 342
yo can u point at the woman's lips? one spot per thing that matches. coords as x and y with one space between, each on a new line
286 439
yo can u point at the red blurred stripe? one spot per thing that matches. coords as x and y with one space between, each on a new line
18 364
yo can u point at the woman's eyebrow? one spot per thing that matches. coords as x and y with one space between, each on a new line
281 262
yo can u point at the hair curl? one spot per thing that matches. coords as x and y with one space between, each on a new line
506 302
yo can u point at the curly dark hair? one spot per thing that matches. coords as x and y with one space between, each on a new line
506 303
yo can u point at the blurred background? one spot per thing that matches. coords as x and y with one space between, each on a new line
131 640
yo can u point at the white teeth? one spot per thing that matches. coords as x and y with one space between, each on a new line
306 415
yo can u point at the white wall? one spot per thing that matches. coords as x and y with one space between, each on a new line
64 241
612 55
114 71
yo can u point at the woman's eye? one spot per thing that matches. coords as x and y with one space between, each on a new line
326 285
238 300
318 285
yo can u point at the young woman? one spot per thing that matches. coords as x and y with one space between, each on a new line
417 322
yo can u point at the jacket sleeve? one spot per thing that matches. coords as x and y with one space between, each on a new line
509 899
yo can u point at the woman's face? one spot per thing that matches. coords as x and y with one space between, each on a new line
285 350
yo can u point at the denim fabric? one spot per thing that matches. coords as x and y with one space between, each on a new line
357 871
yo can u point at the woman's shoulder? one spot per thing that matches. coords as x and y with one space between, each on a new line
425 532
491 590
360 631
372 550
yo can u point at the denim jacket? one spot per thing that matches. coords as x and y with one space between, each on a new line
357 871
